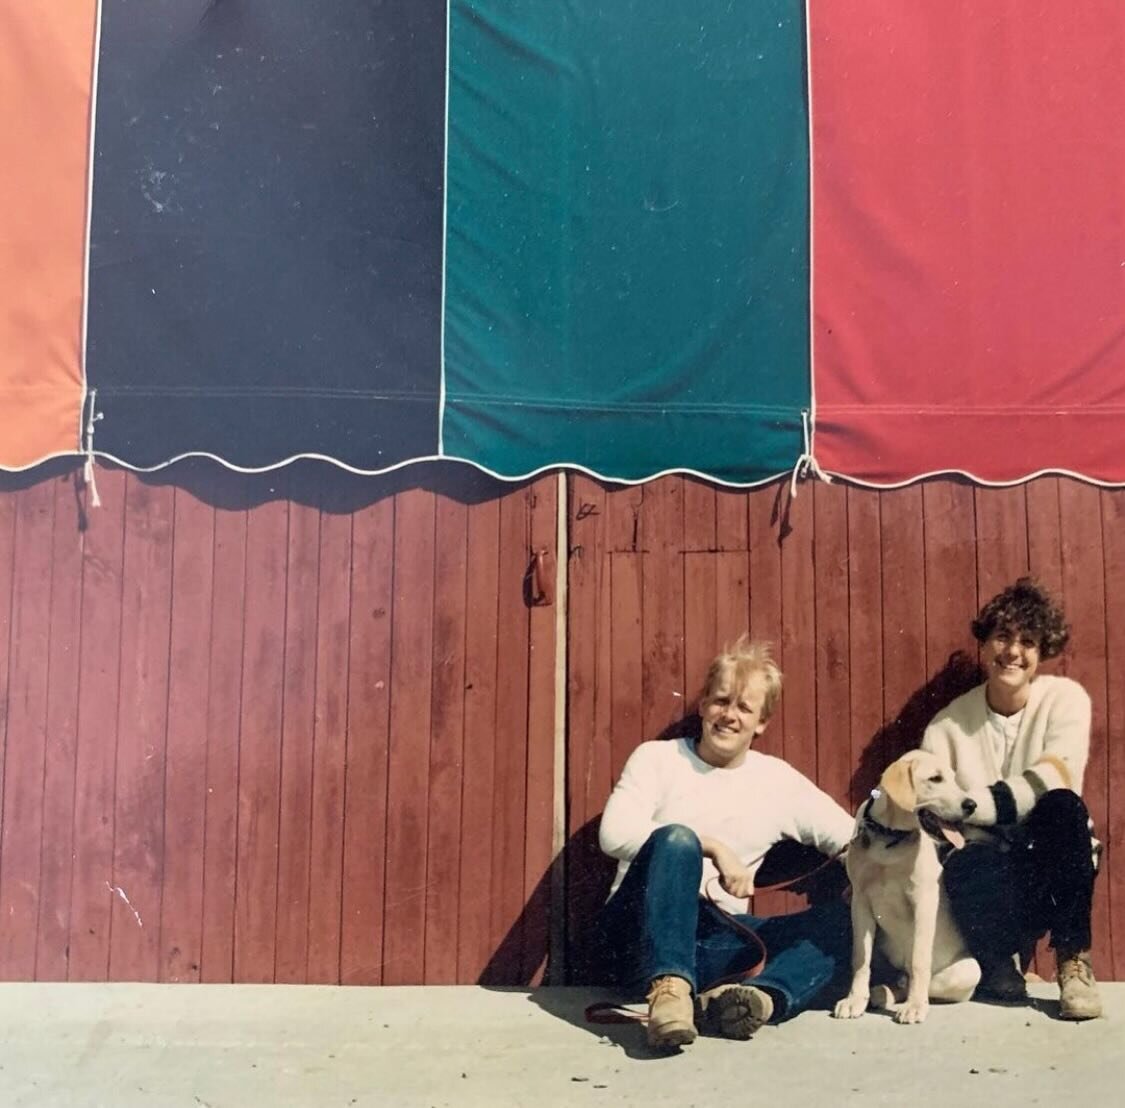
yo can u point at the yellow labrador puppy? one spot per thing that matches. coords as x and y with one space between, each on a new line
897 890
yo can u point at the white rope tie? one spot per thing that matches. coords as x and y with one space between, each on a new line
806 462
88 468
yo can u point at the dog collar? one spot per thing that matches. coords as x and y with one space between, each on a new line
892 835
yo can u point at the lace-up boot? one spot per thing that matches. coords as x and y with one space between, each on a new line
670 1013
735 1011
1078 991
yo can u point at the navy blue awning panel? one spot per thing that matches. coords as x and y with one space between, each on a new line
266 241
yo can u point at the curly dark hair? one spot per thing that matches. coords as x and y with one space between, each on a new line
1024 606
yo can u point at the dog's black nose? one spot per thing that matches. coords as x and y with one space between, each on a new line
968 806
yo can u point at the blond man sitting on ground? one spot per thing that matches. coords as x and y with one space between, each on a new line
690 810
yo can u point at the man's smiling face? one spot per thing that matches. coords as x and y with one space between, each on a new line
732 718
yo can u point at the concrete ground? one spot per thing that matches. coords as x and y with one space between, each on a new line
271 1046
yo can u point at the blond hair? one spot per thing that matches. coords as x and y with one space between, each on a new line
738 662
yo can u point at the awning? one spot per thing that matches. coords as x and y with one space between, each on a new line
530 235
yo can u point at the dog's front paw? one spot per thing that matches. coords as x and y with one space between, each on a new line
912 1012
850 1008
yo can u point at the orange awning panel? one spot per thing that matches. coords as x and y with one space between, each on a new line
46 67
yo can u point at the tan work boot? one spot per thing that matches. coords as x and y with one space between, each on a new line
735 1011
670 1013
1078 991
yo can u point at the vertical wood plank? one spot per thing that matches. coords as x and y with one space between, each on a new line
732 597
510 760
904 608
138 840
1044 538
665 697
1002 557
224 717
699 514
950 584
25 754
588 723
482 640
626 682
701 604
731 520
7 555
587 579
701 585
627 687
798 637
102 560
409 758
540 778
259 746
765 596
185 765
1113 860
297 739
8 501
950 576
447 715
833 641
369 688
326 847
865 648
1083 595
65 649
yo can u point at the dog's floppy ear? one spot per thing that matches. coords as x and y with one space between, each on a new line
898 783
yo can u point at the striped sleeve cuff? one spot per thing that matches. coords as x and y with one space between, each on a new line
1011 800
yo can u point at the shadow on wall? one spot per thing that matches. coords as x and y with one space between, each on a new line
588 875
959 674
307 481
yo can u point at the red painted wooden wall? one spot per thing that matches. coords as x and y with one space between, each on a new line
300 726
295 727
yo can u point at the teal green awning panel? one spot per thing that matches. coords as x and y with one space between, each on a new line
627 270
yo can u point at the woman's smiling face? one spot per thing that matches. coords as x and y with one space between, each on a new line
1011 659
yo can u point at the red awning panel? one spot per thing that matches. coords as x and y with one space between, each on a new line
969 238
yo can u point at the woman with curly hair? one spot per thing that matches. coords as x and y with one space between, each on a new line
1019 744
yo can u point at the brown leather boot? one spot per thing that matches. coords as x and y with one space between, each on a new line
1078 991
670 1013
735 1011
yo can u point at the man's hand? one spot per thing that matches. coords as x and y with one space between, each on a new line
734 877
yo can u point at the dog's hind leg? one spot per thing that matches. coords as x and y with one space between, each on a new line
885 997
956 982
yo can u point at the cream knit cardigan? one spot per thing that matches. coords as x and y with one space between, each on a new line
1051 748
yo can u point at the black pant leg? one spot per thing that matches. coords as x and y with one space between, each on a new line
986 897
1052 849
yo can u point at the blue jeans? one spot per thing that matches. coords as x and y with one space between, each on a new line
656 924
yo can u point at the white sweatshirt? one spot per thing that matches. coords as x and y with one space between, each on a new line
749 808
1050 750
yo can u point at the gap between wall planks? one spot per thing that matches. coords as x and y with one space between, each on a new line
200 692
